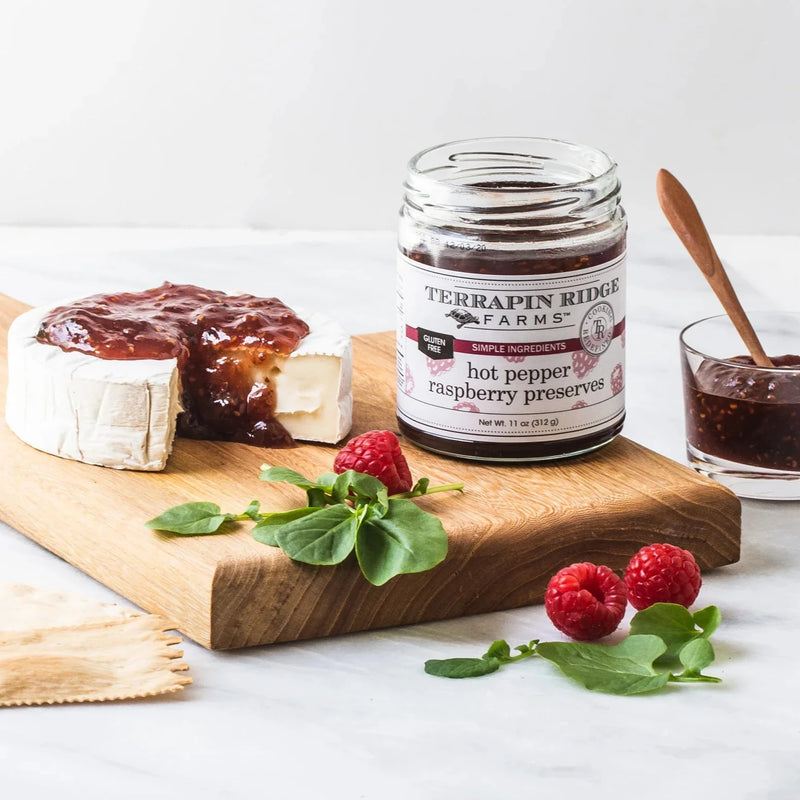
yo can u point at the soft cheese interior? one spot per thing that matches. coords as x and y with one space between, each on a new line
313 386
122 413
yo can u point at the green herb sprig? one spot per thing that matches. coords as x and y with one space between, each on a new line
667 644
344 513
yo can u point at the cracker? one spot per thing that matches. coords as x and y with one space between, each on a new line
59 648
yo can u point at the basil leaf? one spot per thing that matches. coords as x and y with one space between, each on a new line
326 536
624 669
461 667
407 539
670 622
190 519
264 531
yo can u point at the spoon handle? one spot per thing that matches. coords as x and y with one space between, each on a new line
683 216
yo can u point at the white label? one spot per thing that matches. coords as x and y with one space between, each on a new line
533 358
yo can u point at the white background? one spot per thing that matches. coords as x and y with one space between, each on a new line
303 114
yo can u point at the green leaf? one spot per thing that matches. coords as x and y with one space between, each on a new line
367 486
325 537
379 508
708 619
190 519
265 535
264 531
696 655
341 488
669 621
407 539
498 649
623 669
286 475
461 667
252 510
420 487
316 497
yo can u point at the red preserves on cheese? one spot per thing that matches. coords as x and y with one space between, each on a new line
226 346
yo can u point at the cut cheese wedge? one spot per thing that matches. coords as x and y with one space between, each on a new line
122 413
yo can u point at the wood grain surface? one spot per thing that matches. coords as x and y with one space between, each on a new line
513 527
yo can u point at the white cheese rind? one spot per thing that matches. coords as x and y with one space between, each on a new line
118 414
122 413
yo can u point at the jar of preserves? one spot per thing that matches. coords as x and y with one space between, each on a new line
511 300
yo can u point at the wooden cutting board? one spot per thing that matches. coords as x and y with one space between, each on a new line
513 527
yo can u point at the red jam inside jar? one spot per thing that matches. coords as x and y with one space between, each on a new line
746 416
225 346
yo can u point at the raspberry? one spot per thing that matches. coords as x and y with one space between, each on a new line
583 363
616 379
662 573
378 454
436 366
409 383
585 601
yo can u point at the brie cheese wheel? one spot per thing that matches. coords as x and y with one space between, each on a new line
122 413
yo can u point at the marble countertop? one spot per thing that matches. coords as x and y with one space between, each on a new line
355 716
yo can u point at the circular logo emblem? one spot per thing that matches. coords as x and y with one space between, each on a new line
597 329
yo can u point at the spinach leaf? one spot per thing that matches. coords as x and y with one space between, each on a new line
325 537
343 512
191 519
675 625
461 667
406 539
625 668
264 530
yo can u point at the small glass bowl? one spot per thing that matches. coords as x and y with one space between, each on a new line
743 421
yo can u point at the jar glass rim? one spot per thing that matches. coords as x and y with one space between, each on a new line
688 329
526 149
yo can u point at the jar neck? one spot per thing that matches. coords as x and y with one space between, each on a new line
512 185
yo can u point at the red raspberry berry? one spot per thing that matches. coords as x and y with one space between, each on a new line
585 601
378 454
662 573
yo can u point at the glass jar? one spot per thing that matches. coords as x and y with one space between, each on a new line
511 300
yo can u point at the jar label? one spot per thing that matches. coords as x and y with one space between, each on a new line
529 358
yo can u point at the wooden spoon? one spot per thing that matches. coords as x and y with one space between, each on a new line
682 214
